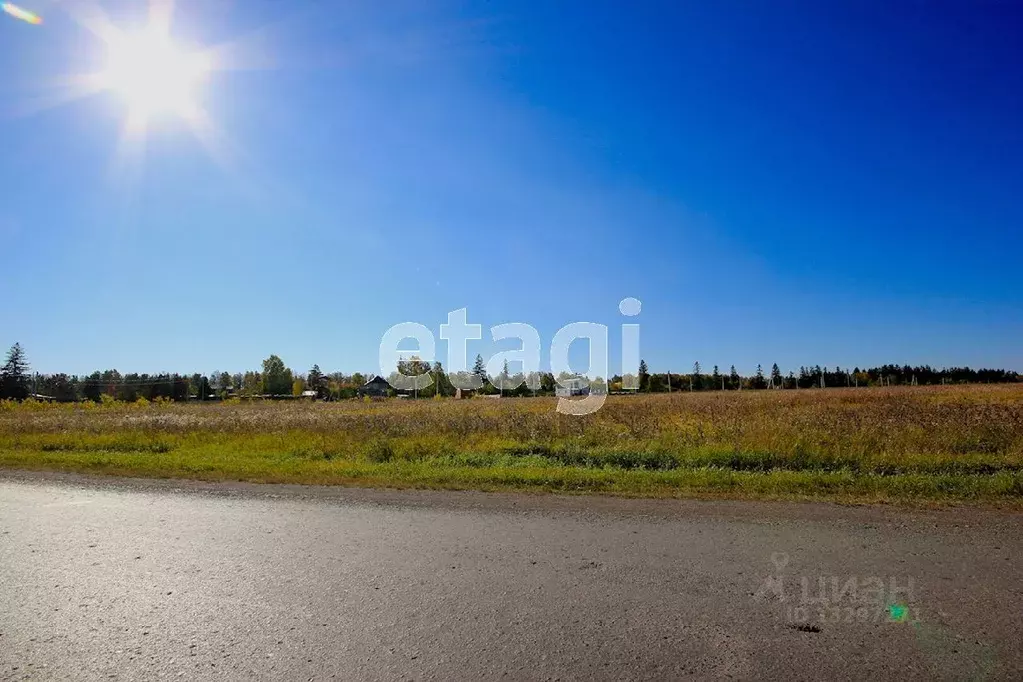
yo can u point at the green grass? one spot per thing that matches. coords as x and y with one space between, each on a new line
956 445
411 464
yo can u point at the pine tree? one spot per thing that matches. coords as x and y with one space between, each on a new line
644 376
479 369
14 375
441 383
503 378
759 380
775 376
696 381
716 378
734 380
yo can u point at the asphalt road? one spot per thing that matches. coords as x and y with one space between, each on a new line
138 580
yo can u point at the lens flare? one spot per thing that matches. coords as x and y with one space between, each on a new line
23 14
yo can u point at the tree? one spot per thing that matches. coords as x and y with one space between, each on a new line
61 387
503 380
277 379
644 376
315 381
92 386
479 370
657 383
224 384
696 381
414 366
442 385
413 374
198 385
14 375
251 384
759 381
775 376
716 378
734 380
179 388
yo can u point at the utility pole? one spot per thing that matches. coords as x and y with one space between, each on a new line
669 381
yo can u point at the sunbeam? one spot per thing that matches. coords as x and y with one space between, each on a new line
156 78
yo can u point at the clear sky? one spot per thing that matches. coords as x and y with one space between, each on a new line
790 182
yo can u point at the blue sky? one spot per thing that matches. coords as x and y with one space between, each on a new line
788 182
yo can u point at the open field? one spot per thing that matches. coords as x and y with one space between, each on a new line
961 443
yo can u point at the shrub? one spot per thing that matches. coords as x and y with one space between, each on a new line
379 450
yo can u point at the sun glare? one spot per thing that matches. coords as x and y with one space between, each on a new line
153 75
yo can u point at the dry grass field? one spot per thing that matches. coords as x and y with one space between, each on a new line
958 443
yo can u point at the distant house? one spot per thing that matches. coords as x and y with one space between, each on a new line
310 394
567 388
377 387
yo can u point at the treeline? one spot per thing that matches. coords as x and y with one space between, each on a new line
276 380
817 377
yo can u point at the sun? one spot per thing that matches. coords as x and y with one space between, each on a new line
153 75
157 76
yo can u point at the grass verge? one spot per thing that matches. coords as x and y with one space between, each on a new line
528 474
